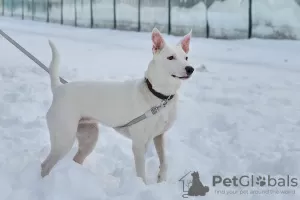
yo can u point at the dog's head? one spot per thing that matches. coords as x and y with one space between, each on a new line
195 175
170 64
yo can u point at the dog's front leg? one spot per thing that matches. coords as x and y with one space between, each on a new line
139 159
159 146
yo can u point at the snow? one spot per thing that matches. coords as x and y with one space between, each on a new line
276 19
183 19
240 117
229 19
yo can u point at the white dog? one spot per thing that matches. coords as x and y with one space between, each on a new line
77 107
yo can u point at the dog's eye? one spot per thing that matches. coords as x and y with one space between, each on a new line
171 58
186 58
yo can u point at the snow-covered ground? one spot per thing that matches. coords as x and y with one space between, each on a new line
276 19
242 117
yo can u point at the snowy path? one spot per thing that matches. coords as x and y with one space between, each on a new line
240 118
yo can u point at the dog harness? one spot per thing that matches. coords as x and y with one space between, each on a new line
154 110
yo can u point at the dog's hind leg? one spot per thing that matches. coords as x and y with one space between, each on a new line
87 135
62 137
159 146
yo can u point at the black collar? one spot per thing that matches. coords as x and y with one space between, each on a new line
157 94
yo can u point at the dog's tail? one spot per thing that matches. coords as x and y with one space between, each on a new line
53 67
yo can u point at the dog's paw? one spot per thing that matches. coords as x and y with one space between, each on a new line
162 175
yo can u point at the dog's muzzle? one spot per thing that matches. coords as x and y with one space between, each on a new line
189 71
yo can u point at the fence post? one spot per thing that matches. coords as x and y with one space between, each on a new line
250 19
206 17
75 13
48 12
32 9
169 17
12 8
115 14
2 7
92 13
61 11
139 15
22 9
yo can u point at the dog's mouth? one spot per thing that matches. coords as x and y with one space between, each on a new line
181 77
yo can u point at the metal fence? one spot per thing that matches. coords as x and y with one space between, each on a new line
226 19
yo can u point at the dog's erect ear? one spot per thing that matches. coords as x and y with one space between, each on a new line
185 42
158 41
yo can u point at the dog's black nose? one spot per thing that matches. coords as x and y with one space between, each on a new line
189 70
